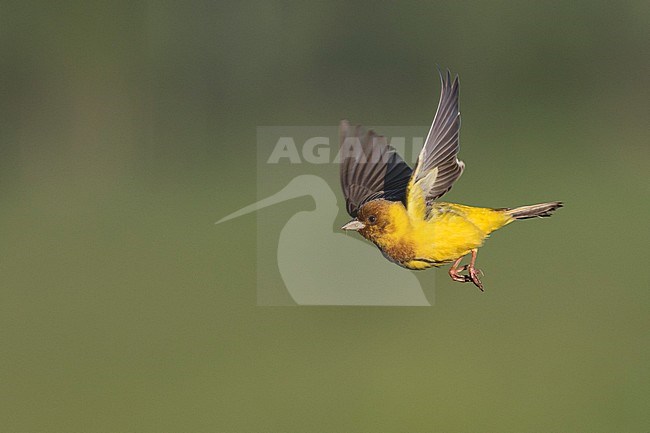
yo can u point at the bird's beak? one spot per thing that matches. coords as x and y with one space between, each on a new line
355 224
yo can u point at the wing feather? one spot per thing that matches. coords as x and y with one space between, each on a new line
370 168
438 166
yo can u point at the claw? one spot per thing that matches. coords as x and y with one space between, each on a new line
458 277
474 278
454 272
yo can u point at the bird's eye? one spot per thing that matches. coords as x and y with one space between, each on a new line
372 219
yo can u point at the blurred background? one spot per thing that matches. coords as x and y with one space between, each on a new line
128 128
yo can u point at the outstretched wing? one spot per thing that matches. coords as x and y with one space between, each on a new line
370 168
438 166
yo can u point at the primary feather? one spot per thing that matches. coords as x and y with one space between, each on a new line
438 166
370 168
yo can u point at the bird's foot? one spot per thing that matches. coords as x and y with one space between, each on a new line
473 273
455 274
473 277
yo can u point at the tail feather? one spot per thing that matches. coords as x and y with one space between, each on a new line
536 210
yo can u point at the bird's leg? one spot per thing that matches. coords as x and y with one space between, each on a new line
473 272
454 272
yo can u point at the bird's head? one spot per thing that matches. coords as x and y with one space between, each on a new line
375 219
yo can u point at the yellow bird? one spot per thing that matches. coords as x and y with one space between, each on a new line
397 209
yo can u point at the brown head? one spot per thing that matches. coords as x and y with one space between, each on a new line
375 219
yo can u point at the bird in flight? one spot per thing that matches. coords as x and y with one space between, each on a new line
397 207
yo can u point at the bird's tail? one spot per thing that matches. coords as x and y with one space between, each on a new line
535 210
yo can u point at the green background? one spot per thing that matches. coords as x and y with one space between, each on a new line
128 128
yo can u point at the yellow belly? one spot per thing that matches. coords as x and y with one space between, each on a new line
450 232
